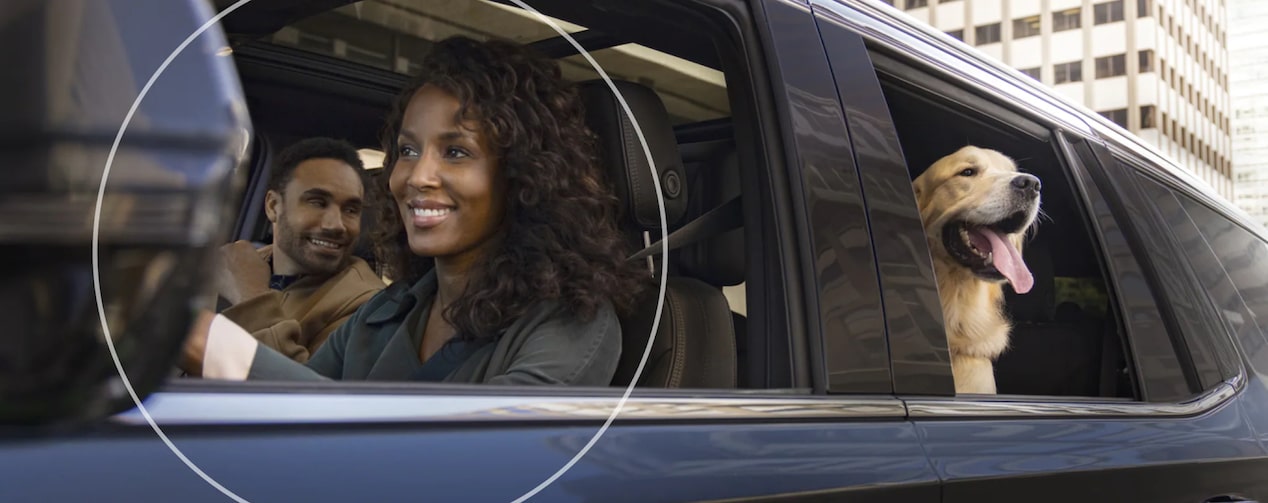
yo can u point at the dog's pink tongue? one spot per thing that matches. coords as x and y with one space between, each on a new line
1008 262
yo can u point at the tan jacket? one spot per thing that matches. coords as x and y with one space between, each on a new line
297 320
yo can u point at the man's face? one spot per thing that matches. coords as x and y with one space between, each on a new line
317 218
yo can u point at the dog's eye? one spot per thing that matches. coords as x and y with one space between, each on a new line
968 172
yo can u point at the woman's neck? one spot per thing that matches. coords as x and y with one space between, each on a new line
454 272
451 280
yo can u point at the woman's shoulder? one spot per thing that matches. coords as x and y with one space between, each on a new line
603 311
559 316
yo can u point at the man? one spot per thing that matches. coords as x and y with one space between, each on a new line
293 294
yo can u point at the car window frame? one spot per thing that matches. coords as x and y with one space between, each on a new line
797 400
1118 173
1219 347
1058 124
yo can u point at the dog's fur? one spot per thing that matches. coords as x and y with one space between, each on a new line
972 296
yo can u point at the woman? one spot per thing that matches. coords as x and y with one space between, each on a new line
497 229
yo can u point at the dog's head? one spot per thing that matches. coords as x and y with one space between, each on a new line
976 207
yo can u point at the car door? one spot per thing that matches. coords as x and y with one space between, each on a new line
825 424
1118 385
1193 446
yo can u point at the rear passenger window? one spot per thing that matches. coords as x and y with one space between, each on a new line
1229 262
1066 339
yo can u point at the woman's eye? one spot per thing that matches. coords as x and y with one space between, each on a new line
968 172
407 151
455 152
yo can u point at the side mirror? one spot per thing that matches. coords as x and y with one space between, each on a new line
78 67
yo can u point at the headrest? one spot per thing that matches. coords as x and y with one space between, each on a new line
622 153
719 260
1039 304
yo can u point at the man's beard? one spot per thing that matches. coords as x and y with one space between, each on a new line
296 246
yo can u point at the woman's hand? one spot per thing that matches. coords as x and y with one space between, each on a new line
196 344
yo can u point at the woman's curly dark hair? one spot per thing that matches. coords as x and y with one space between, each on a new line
560 240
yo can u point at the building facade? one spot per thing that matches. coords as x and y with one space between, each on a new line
1158 68
1248 52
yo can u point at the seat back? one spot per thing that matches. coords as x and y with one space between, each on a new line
1053 350
695 314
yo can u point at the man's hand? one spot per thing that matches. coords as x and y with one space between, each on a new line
242 273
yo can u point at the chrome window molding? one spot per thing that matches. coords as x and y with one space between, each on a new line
1003 407
227 408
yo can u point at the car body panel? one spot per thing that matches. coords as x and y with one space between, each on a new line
891 431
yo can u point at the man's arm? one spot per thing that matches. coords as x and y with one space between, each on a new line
263 318
217 348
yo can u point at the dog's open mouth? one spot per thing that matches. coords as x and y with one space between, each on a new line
986 250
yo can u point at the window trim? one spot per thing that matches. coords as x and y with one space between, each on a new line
774 314
188 403
1015 407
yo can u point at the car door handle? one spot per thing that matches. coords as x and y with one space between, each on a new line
1228 498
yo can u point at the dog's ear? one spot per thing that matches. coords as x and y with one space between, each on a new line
918 187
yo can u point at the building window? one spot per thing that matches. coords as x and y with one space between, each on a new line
957 34
1146 61
1033 73
1107 12
987 34
1147 117
1068 72
1118 116
1142 8
1111 66
912 4
1025 27
1068 19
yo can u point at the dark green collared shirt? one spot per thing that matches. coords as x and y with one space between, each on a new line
381 342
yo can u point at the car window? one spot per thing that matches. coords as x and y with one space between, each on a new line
1067 336
1227 260
380 43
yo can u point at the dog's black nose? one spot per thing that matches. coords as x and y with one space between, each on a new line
1026 182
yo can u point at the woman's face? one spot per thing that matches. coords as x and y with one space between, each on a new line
446 181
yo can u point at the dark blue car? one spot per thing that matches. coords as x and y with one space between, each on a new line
801 353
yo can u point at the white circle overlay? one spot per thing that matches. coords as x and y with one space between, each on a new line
96 278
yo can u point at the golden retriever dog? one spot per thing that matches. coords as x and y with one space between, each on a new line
976 208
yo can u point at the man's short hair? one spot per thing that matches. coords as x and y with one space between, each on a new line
312 148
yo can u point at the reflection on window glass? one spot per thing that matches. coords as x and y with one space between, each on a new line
395 34
1087 293
691 92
